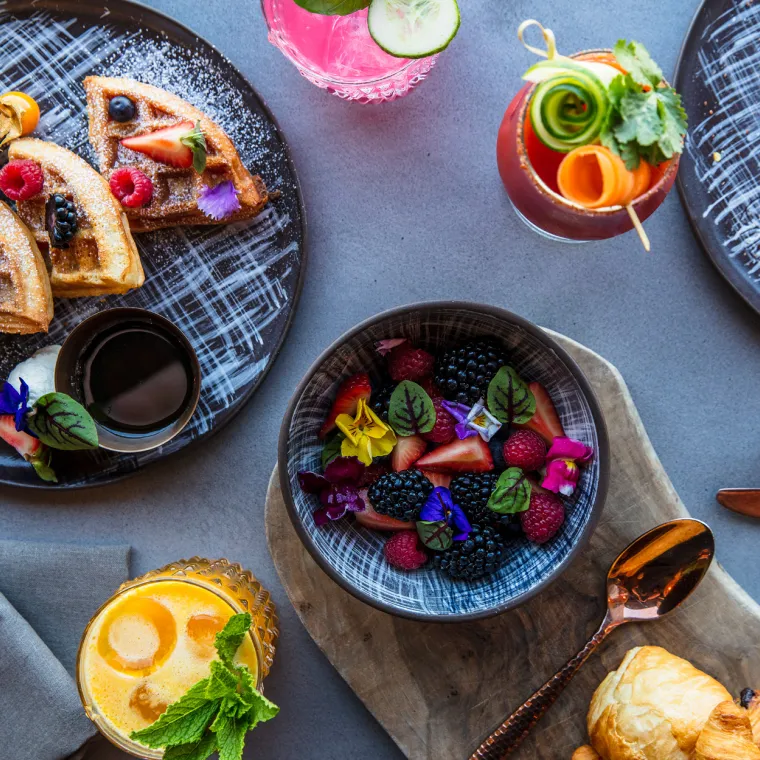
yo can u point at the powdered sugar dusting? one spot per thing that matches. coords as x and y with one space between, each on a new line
230 288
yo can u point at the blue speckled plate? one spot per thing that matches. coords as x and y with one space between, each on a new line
352 555
232 289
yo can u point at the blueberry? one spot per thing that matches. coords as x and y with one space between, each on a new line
121 109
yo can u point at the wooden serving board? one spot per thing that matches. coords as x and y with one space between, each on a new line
438 688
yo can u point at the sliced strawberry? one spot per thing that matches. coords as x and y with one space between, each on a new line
164 145
25 444
469 455
407 451
347 400
371 519
438 479
32 449
545 421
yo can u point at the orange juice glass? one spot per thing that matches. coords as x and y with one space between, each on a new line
154 639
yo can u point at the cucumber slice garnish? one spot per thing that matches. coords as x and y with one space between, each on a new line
544 70
568 109
413 28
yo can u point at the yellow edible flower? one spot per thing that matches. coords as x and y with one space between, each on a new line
367 436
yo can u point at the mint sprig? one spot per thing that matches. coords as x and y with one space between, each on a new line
333 7
645 118
216 713
196 141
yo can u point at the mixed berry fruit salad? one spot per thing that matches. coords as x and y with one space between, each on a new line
590 146
454 455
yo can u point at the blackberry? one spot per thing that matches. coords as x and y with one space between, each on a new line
381 400
400 494
60 220
472 491
481 554
463 373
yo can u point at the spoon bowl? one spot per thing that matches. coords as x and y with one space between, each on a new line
650 578
658 571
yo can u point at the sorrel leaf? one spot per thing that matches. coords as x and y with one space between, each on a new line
509 398
333 7
511 493
411 410
62 423
436 535
331 449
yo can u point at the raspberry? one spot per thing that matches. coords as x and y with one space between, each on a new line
544 517
526 450
404 550
431 388
21 180
444 430
406 362
131 186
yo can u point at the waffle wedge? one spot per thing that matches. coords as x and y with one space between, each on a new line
175 190
26 302
102 258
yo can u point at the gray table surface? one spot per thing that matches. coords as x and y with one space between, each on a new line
404 203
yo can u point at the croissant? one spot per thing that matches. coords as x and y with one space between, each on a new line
727 735
585 753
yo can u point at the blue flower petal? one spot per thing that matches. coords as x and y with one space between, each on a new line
460 524
10 399
437 505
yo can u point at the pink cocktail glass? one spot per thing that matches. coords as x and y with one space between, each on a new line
338 54
545 210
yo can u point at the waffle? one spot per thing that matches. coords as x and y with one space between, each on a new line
175 191
102 257
26 303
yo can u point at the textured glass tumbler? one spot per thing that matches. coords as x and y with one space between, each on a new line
237 587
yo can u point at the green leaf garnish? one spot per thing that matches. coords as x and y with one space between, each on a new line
229 639
333 7
196 141
62 423
216 713
411 410
331 449
200 750
436 535
511 493
645 118
509 398
184 721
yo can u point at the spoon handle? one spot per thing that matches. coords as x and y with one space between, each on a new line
510 734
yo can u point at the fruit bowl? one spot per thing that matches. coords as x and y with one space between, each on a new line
351 554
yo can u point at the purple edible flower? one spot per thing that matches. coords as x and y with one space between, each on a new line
338 489
220 201
384 347
460 412
16 403
440 507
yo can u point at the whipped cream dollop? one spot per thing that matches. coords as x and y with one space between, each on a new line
38 372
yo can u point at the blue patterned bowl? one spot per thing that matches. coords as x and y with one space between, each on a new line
352 555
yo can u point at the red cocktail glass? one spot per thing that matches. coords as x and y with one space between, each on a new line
528 170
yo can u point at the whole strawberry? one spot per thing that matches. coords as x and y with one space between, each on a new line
544 517
404 550
526 450
406 362
445 425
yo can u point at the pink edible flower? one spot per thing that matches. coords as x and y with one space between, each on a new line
384 347
561 476
568 448
562 471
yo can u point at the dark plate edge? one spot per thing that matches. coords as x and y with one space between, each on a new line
8 6
603 454
718 257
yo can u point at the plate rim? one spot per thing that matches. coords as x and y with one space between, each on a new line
711 246
9 6
603 454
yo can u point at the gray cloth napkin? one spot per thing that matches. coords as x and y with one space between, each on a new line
48 593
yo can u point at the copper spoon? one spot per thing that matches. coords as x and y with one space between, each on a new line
649 579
